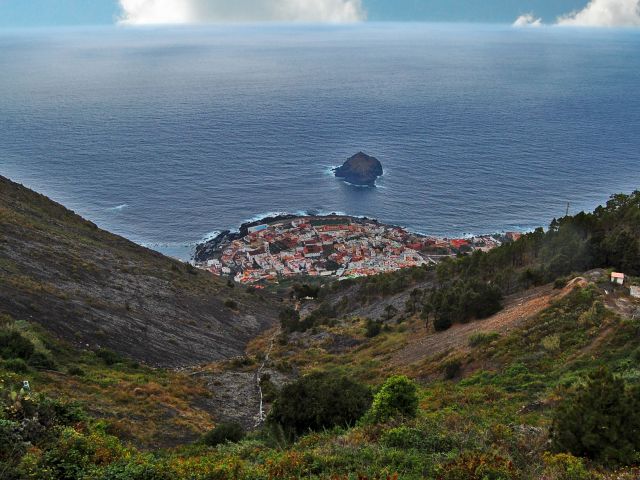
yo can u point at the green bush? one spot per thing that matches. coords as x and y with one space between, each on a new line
405 437
452 369
109 357
16 365
396 398
563 466
373 328
14 345
75 371
231 304
11 444
481 339
600 420
479 466
223 433
317 401
40 360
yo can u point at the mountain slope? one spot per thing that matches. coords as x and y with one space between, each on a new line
97 289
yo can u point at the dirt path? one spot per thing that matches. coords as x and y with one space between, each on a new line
518 309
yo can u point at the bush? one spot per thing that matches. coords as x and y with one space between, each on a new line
397 398
223 433
75 371
305 291
452 369
109 357
373 328
16 365
404 437
317 401
40 360
11 443
600 420
290 320
565 467
479 466
231 304
14 345
481 339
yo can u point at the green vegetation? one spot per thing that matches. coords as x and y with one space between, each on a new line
555 397
225 432
462 301
397 398
600 420
318 401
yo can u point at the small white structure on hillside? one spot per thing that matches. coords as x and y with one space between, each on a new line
634 291
617 278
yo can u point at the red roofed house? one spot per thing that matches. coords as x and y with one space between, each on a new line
458 243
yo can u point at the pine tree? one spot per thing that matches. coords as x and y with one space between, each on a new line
600 421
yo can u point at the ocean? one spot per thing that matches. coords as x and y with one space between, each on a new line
167 135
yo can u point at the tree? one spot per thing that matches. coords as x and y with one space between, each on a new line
373 328
390 311
289 319
398 397
317 401
600 420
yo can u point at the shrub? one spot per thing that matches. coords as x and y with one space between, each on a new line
223 433
373 328
481 339
16 365
11 443
305 291
231 304
397 398
40 360
600 420
479 466
14 345
452 369
563 466
319 400
405 437
109 357
289 320
75 371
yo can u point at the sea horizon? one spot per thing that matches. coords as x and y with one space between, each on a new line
481 128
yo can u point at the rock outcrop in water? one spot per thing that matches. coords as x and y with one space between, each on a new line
361 169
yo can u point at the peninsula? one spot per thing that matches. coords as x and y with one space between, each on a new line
333 246
361 169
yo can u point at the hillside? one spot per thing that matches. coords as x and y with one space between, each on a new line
365 381
99 290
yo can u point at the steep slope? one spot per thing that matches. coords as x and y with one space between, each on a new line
97 289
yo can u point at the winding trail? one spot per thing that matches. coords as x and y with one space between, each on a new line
260 418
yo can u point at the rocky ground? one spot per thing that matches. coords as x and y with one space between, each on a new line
96 289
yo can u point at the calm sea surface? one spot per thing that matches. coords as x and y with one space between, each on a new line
166 135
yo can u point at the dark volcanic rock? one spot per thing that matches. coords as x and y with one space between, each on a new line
361 169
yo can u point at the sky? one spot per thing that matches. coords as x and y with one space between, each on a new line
39 13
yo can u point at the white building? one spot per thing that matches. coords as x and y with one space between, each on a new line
617 278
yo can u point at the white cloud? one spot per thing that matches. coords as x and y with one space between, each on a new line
149 12
605 13
528 20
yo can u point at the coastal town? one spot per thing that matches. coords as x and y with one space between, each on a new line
330 246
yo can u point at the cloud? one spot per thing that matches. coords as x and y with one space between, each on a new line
150 12
528 20
605 13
